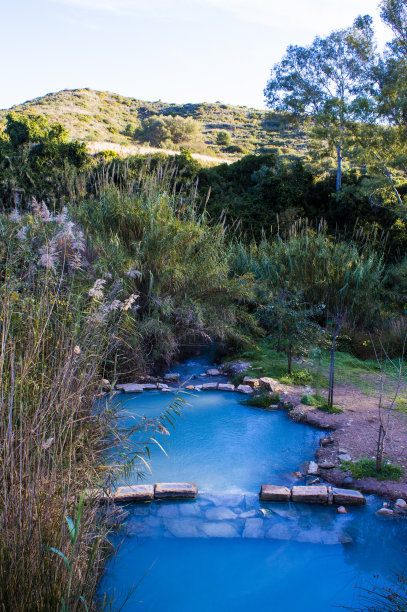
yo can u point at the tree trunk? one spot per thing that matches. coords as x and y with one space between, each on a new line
289 365
331 375
380 448
338 167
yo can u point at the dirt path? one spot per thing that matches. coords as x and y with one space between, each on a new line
354 432
126 150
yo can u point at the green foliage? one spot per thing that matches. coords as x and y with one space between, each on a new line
37 159
161 130
298 377
313 400
262 400
290 322
223 138
366 468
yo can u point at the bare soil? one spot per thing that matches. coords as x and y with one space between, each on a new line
354 432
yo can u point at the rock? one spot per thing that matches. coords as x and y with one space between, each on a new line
226 387
220 514
209 386
341 510
312 468
182 528
165 490
134 494
317 494
219 530
168 511
213 372
326 465
265 511
274 493
273 407
236 367
173 377
344 457
385 512
252 382
325 441
343 451
248 514
348 481
400 504
162 386
280 532
190 388
254 528
189 509
244 389
148 386
298 474
167 390
269 384
314 481
347 496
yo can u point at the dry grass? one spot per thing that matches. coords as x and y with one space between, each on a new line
51 439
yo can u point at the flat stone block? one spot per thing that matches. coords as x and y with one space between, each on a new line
349 497
274 493
166 490
226 387
135 494
162 386
209 386
148 386
244 389
317 494
132 388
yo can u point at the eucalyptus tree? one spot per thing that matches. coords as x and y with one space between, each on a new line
329 81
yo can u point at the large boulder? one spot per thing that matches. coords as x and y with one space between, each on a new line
268 384
252 382
315 494
274 493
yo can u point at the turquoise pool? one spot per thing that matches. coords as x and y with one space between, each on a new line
228 551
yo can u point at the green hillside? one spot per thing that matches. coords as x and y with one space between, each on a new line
98 116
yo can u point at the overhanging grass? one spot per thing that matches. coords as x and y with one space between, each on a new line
365 467
262 400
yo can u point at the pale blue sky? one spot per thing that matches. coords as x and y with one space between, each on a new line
174 50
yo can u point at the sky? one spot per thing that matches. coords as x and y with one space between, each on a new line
171 50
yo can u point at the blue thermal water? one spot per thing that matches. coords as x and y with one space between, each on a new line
226 550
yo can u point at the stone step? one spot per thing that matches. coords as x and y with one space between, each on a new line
348 497
134 493
274 493
170 490
312 494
